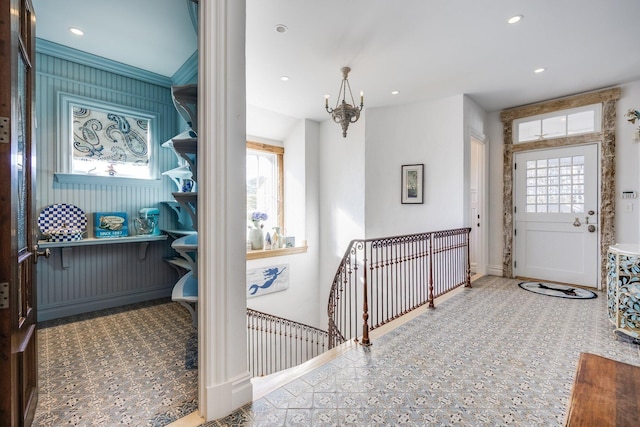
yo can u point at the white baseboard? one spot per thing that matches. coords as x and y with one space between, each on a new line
222 399
494 270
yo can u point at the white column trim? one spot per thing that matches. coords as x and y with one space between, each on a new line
223 380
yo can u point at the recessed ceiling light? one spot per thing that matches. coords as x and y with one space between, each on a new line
515 19
395 92
539 70
284 78
281 28
76 31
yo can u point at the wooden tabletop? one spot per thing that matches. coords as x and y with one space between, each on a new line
605 393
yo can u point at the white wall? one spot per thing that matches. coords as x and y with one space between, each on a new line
430 133
627 170
341 196
299 301
627 224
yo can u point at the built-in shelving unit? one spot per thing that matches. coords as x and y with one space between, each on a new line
185 148
103 241
66 247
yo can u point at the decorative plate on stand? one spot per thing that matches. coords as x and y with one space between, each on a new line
62 222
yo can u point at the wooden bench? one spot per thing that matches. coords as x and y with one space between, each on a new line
605 393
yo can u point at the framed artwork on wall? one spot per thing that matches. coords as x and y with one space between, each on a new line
412 184
265 280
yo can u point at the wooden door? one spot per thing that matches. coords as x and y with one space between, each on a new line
18 358
557 215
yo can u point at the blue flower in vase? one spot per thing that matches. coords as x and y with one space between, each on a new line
259 216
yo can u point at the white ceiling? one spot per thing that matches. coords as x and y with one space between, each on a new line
426 49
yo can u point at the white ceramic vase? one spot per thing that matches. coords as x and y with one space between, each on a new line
256 236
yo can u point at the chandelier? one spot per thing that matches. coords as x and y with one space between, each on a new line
344 113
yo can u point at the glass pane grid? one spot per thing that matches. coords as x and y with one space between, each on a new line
555 185
559 125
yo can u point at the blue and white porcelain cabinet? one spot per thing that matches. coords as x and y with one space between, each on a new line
623 288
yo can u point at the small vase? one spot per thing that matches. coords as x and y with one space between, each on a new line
278 240
256 236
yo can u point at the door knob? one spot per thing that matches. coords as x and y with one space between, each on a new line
46 253
591 228
577 222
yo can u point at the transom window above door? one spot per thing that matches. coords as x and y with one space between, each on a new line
558 124
555 185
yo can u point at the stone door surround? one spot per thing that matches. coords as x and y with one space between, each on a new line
606 138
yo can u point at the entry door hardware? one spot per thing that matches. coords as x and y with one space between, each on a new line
46 253
4 130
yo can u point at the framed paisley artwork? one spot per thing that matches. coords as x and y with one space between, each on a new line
105 140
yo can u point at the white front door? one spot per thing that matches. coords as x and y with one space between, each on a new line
556 215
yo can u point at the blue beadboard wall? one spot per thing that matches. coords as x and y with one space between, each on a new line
110 275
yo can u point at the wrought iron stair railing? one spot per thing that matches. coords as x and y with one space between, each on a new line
275 343
379 280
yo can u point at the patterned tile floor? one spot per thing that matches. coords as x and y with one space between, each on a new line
490 356
124 366
493 355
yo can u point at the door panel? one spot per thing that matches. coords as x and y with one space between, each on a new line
544 252
556 217
18 351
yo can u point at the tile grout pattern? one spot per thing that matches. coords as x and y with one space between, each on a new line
493 355
123 366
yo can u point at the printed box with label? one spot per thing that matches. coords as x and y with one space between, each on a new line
110 224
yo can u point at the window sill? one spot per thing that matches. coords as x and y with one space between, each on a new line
276 252
70 178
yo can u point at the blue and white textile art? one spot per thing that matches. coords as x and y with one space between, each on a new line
109 136
265 280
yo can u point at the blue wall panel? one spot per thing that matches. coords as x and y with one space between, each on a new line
105 275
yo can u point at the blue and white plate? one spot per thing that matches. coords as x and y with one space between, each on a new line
55 219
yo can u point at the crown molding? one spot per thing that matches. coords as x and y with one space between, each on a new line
187 72
57 50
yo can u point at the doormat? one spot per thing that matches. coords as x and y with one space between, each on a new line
557 290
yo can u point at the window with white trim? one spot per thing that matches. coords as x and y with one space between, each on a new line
101 140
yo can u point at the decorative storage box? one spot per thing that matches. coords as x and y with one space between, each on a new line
623 288
110 224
